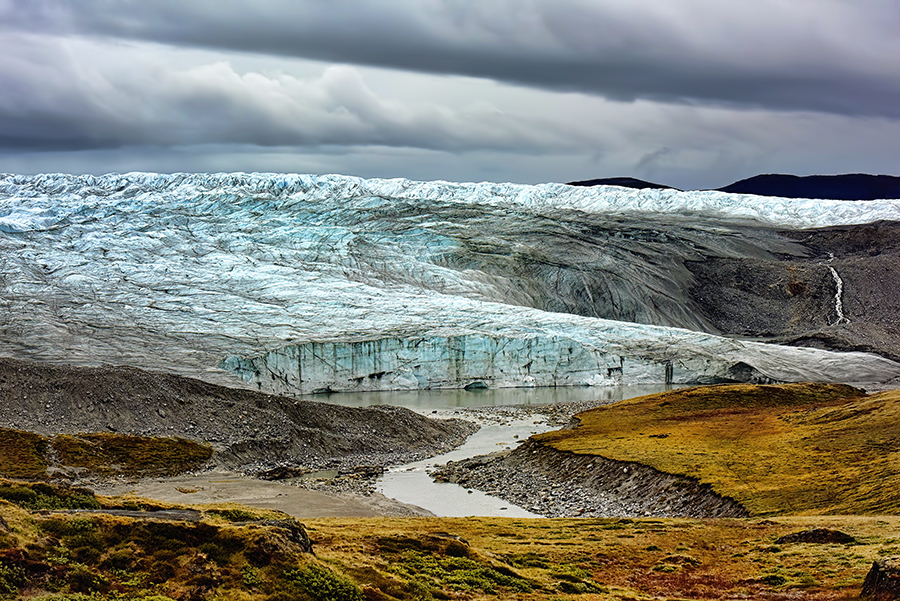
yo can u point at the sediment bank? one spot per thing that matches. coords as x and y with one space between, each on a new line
562 484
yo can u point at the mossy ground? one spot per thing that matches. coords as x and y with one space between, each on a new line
238 553
22 454
785 449
594 559
29 455
109 453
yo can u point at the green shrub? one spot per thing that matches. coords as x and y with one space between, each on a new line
120 559
322 584
216 553
83 580
42 496
11 578
85 554
250 577
7 541
458 573
773 579
580 588
529 560
235 515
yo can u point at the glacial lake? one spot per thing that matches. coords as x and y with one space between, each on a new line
425 401
411 483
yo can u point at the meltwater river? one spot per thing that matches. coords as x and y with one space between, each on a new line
411 483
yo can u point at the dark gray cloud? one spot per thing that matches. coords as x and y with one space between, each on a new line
81 94
822 55
694 93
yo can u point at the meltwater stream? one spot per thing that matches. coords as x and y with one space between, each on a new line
411 483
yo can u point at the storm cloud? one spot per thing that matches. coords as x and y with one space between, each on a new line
822 55
79 94
617 87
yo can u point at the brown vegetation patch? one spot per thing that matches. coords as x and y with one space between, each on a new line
114 556
818 536
109 453
607 559
30 455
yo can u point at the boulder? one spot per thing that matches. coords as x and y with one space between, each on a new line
817 535
882 583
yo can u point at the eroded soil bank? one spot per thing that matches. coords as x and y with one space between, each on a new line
562 484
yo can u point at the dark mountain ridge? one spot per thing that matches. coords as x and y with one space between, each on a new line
625 182
850 186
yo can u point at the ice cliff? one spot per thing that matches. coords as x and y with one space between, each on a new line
301 283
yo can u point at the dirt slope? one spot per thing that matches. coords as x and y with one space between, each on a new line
246 428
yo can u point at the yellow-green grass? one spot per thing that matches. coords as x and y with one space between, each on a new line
108 453
247 554
607 559
30 455
22 454
377 559
810 449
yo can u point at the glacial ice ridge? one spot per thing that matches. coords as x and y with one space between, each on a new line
298 283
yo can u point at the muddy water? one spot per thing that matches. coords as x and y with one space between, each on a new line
411 483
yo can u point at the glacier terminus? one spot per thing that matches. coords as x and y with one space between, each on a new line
298 283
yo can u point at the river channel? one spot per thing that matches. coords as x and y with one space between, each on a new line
515 416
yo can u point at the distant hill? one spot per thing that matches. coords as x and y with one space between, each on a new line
625 182
853 186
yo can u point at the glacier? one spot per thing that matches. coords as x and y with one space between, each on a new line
301 283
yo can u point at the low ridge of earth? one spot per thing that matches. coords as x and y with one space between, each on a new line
559 484
717 450
248 430
794 298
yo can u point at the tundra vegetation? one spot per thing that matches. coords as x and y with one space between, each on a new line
29 455
130 551
812 449
61 542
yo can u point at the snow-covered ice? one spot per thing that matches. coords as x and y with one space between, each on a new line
297 283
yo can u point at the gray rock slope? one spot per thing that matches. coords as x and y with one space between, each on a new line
248 430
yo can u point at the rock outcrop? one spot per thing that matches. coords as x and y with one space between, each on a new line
821 536
882 583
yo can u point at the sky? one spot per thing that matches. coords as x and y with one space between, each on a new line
690 93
